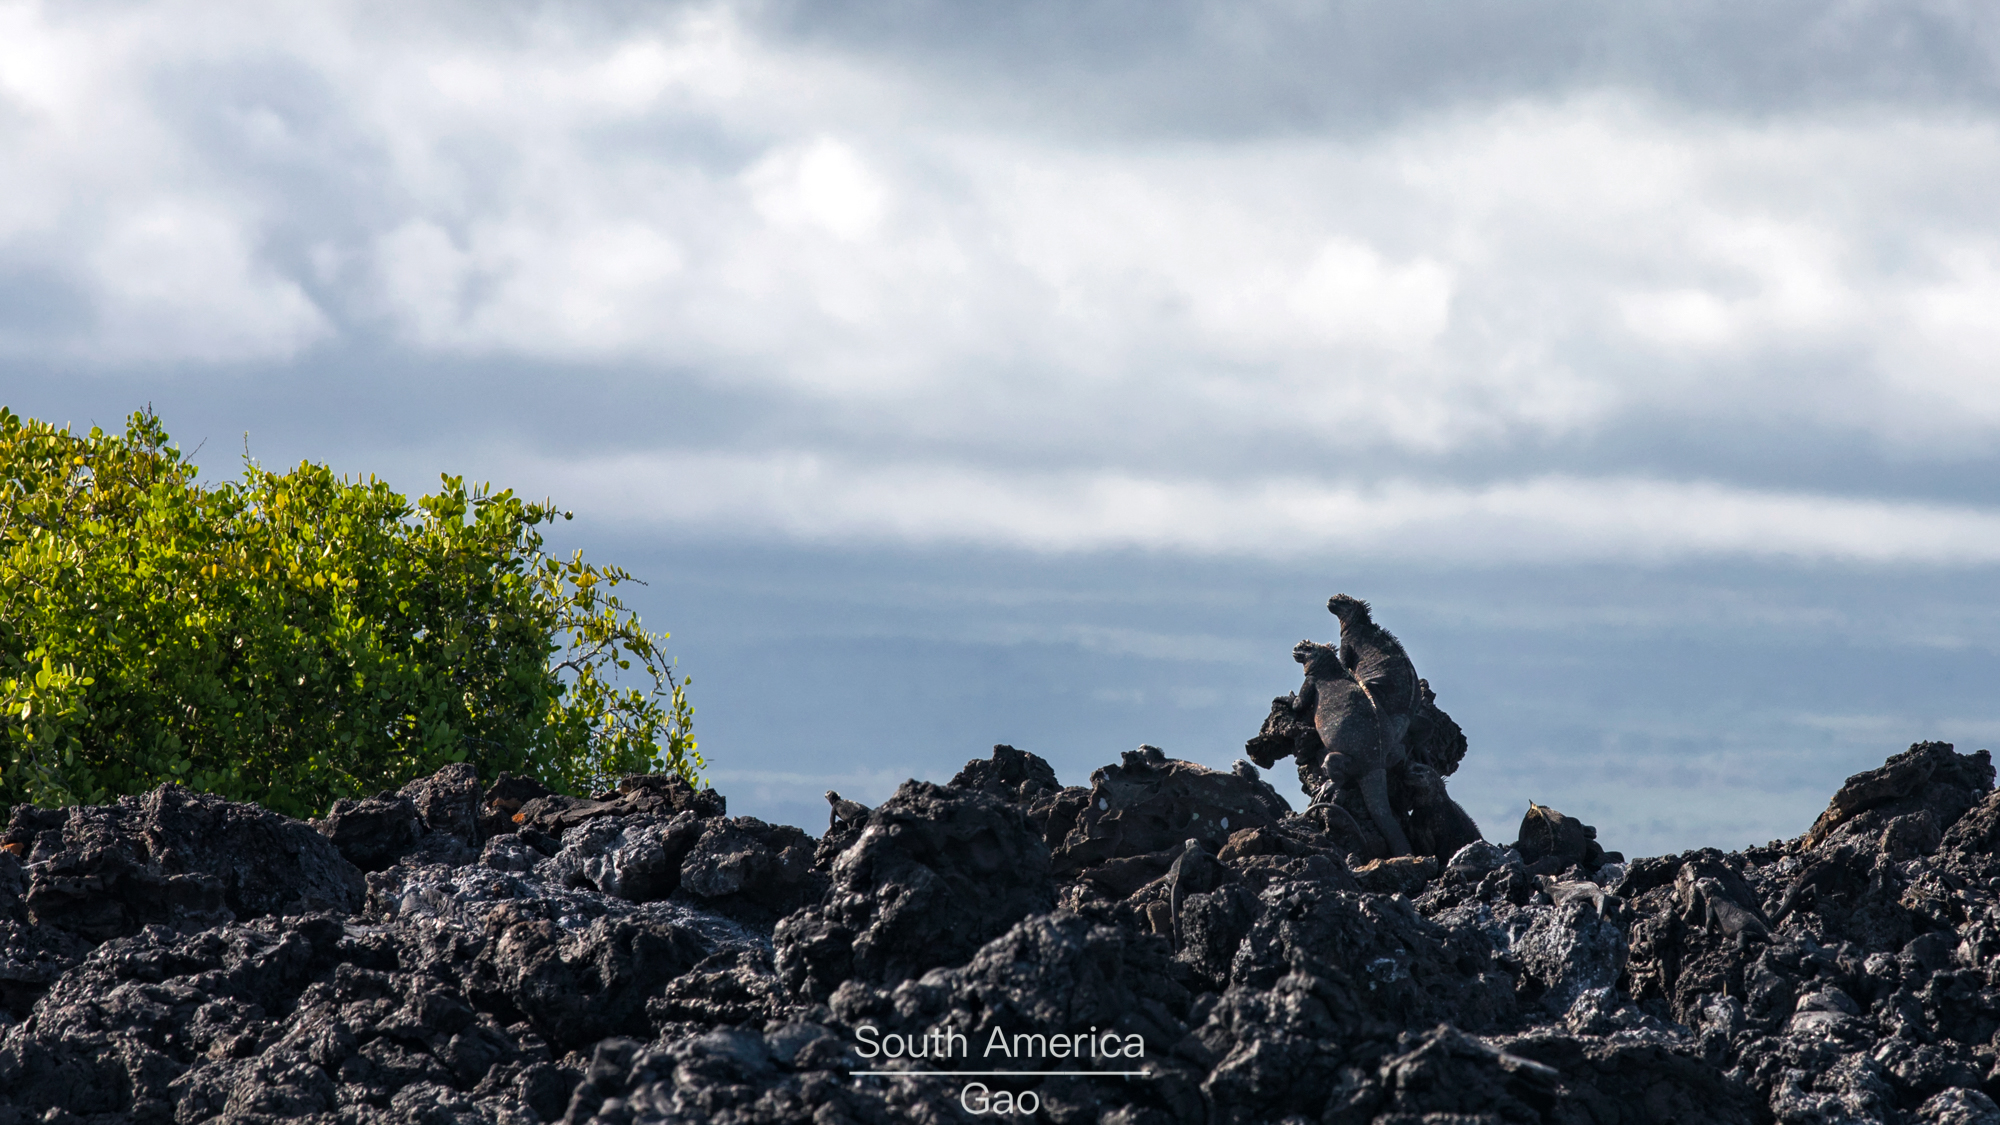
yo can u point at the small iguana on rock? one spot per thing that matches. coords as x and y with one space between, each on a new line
852 812
1378 663
1706 905
1350 727
1194 872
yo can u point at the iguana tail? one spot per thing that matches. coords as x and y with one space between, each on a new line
1375 793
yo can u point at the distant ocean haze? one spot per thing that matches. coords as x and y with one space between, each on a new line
1672 707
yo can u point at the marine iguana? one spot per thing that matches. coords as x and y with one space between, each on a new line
1379 664
1350 727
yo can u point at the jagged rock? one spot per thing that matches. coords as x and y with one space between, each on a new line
1374 961
648 794
1293 850
177 858
1208 928
1977 831
1149 804
1959 1106
745 868
937 873
741 1076
1012 775
577 988
1929 779
373 832
739 987
624 967
1100 988
448 806
1320 985
636 858
1573 948
1287 732
1051 974
1471 862
1435 739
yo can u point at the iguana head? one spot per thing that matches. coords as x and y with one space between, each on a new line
1351 611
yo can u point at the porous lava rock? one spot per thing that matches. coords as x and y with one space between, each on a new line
1148 804
1906 803
637 795
745 868
189 861
641 956
372 832
437 816
937 873
635 858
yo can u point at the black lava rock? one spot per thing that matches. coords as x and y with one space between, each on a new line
938 873
642 957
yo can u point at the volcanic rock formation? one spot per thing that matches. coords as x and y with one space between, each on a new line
459 953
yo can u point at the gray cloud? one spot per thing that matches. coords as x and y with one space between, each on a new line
1246 69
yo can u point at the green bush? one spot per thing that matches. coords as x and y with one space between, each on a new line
300 637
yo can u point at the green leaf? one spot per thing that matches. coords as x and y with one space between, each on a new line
298 637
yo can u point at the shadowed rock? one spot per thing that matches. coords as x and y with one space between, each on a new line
434 819
625 968
177 858
937 873
1928 783
373 832
1150 803
577 988
636 795
747 869
448 806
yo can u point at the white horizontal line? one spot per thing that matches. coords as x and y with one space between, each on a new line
810 497
1007 1073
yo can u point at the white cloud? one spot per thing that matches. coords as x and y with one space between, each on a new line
685 194
103 199
1540 519
176 280
823 184
1349 293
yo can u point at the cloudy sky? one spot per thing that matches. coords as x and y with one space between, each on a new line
962 373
